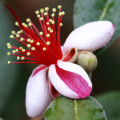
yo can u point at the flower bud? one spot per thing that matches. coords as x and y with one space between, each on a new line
87 60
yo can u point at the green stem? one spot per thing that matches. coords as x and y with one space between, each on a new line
105 10
76 110
90 74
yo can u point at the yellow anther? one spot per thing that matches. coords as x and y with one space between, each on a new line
28 45
33 48
28 20
21 39
41 18
9 62
47 23
61 24
42 10
17 35
24 24
60 13
28 40
45 13
16 50
11 36
50 20
38 16
22 58
20 48
16 23
37 12
44 48
49 28
52 14
59 6
13 32
48 35
48 42
28 53
31 41
38 43
18 58
54 9
53 22
18 32
46 8
63 13
13 51
8 44
41 33
29 24
23 50
8 53
21 31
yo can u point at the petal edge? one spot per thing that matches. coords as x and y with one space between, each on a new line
90 36
37 92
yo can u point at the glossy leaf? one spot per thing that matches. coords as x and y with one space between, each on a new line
64 108
111 104
93 10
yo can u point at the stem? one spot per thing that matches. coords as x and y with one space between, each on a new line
90 74
105 10
76 110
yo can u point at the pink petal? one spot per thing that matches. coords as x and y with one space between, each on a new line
90 36
71 56
70 80
37 92
54 92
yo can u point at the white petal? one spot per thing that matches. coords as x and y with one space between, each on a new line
59 84
71 67
90 36
37 92
64 88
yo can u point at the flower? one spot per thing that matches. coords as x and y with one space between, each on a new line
56 75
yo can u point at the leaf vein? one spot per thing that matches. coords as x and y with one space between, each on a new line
105 10
76 110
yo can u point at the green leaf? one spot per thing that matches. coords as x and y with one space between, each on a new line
1 118
17 102
111 104
93 10
68 109
8 73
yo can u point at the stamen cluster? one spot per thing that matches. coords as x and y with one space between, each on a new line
40 47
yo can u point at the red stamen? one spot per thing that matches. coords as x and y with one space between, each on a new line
41 47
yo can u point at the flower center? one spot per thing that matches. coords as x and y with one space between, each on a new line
40 47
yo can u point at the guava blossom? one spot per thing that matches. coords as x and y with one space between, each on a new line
56 75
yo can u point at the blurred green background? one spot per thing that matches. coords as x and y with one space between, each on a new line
13 77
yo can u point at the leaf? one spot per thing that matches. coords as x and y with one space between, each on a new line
111 104
94 10
68 109
1 118
8 73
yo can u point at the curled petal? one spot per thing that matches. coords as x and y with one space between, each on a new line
37 92
70 80
54 92
71 56
90 36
